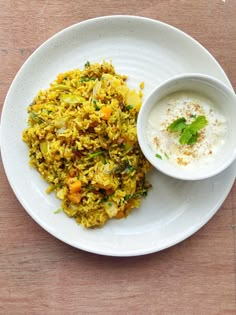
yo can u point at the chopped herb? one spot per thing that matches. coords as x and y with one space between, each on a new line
178 125
127 197
48 111
158 156
37 119
41 120
90 187
166 155
129 107
33 115
96 107
109 204
131 168
58 210
87 64
95 104
86 79
185 136
83 79
92 155
139 193
199 123
193 139
188 132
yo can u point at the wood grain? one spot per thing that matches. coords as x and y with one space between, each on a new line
41 275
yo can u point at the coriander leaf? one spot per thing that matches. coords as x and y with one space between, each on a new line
185 136
96 107
41 120
92 155
193 139
199 123
33 115
58 210
86 79
158 156
127 197
129 107
87 64
131 168
178 125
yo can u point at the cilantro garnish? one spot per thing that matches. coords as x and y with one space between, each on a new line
92 155
127 197
86 79
178 125
87 64
33 115
166 155
188 132
58 210
129 107
131 168
158 156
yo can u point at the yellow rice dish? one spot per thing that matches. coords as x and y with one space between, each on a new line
82 140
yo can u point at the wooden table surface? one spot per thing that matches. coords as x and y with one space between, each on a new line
41 275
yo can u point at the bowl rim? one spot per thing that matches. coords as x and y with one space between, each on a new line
148 105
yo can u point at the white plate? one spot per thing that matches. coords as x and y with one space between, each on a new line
145 50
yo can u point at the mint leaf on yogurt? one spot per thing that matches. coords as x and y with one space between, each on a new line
188 132
178 125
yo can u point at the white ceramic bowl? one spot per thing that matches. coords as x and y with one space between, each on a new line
222 101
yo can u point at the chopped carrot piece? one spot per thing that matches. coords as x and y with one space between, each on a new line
72 172
120 215
74 185
74 197
109 191
106 112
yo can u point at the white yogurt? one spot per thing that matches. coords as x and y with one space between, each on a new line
166 144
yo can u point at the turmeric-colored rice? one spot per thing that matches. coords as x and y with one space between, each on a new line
82 140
